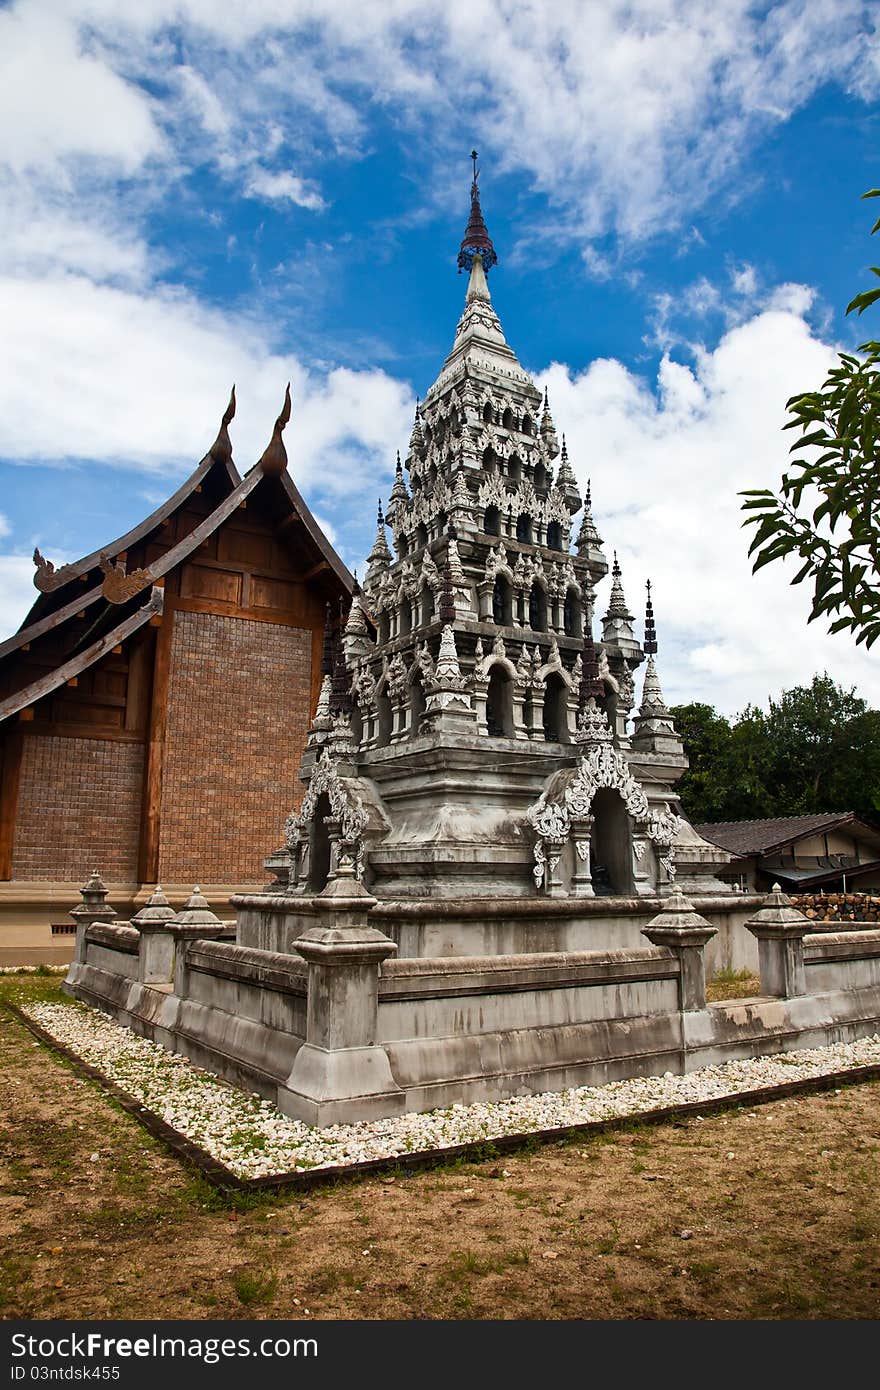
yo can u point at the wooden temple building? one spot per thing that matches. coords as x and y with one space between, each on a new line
155 702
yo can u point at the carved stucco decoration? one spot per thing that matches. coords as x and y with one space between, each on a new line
552 827
663 829
346 807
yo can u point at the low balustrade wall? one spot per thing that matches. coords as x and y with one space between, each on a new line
419 1032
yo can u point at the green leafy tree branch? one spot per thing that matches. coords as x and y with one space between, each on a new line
838 540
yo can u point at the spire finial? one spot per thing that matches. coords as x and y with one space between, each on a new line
476 240
650 642
380 520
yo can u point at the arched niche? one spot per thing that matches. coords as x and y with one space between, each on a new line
421 534
384 626
524 528
555 713
488 413
385 718
405 619
319 845
492 521
572 622
514 468
490 461
554 536
526 425
537 608
499 703
357 725
611 845
508 421
540 479
502 601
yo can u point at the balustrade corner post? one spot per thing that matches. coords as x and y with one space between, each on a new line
685 932
340 1072
780 929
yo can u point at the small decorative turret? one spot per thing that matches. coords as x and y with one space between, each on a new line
567 482
589 542
618 621
416 439
379 557
476 240
399 495
548 429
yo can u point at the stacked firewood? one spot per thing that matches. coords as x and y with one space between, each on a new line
838 907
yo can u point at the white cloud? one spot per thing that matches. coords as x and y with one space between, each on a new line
284 186
629 116
17 592
667 461
58 100
142 378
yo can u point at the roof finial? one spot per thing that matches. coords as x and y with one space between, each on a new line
476 241
650 643
274 460
221 449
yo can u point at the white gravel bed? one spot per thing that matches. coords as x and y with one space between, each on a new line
253 1139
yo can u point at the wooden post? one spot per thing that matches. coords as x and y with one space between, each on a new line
148 856
10 776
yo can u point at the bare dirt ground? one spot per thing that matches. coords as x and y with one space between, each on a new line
764 1212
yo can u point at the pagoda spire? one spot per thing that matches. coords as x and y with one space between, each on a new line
653 727
476 240
653 704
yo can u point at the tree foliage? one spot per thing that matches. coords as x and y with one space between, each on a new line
816 749
826 511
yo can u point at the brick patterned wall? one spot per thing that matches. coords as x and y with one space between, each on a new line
238 714
79 807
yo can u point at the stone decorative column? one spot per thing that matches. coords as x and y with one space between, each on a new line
93 908
340 1073
156 953
686 933
780 928
582 874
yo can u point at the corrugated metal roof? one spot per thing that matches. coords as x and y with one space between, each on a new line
759 836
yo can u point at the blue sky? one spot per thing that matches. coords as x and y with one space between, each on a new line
193 193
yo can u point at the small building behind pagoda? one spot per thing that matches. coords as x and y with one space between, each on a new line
154 703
